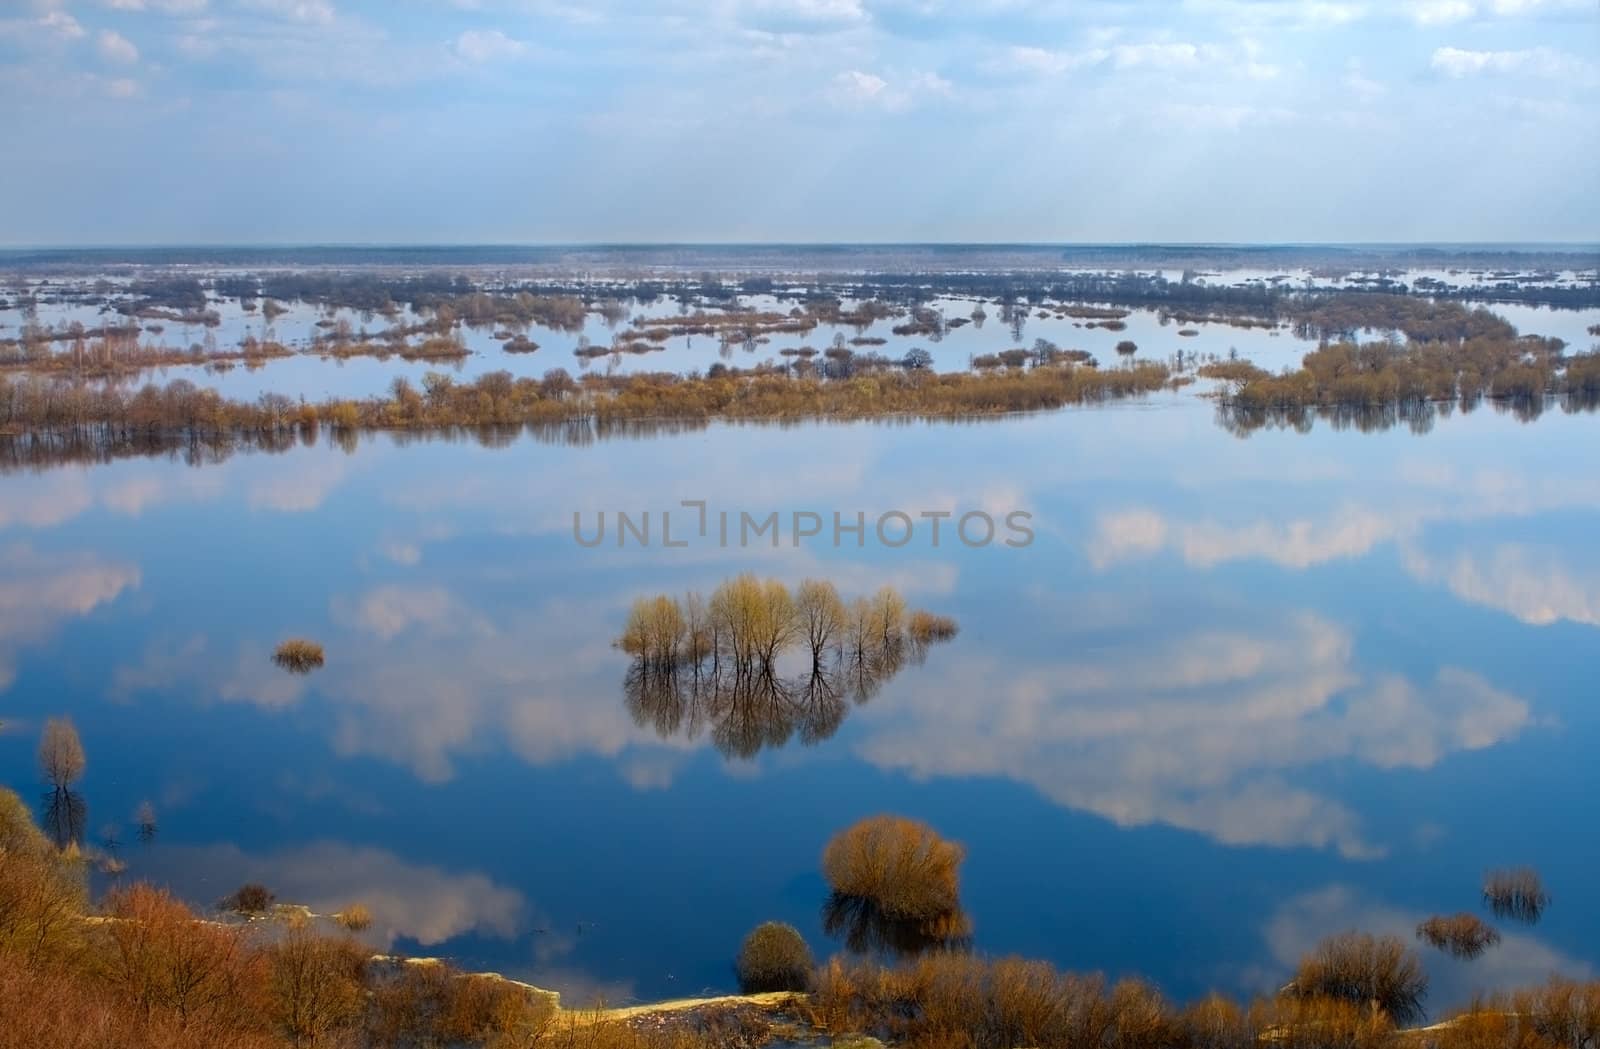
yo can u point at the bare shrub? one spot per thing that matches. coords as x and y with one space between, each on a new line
1321 1023
1460 935
161 957
1518 894
315 987
42 894
354 918
1376 972
426 1003
925 628
774 957
250 898
61 758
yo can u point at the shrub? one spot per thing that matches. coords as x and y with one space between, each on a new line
901 866
774 957
298 655
1377 972
355 918
926 628
251 898
1127 347
161 957
42 895
315 986
1518 894
427 1003
1461 935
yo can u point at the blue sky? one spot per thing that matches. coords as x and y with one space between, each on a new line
217 121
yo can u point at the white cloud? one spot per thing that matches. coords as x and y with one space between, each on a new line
314 12
1441 12
169 7
855 89
487 45
802 15
1359 84
114 47
856 86
122 87
415 901
62 25
1536 61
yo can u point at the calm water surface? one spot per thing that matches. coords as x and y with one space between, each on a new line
1238 694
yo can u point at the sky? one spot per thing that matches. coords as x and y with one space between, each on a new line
580 121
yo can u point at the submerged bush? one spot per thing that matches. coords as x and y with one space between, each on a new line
896 888
1461 935
926 628
250 898
1518 894
298 655
355 918
901 866
1365 970
774 957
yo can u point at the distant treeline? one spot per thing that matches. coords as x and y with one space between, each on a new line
824 258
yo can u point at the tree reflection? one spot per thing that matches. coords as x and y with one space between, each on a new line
866 929
65 816
750 707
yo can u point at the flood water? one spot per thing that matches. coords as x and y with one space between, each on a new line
1237 694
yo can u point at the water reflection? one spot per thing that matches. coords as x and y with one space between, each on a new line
1417 416
66 814
40 590
865 929
1203 731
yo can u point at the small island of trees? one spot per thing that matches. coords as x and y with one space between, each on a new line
719 663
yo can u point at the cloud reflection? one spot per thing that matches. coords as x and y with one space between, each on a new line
1199 732
417 902
39 590
1519 960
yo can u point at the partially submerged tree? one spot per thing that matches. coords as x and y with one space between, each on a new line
61 758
